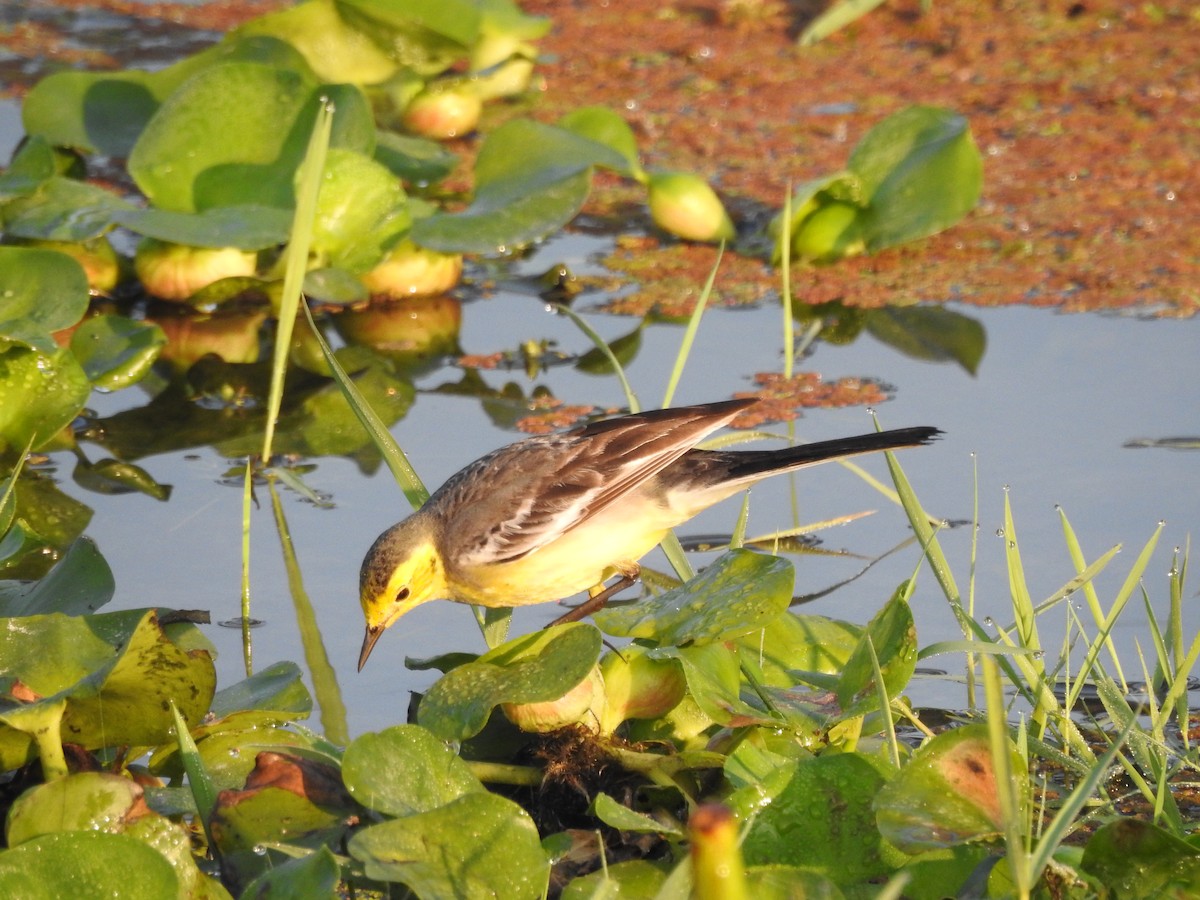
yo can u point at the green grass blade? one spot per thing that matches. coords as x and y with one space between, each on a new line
785 283
401 469
1006 786
631 399
247 507
693 325
1018 587
324 679
308 187
204 792
1089 589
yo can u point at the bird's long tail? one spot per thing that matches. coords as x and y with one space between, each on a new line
749 465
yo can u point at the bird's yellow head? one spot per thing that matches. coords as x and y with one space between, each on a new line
403 569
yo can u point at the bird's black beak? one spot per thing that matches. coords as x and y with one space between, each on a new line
369 640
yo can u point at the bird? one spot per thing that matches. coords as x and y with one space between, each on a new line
554 515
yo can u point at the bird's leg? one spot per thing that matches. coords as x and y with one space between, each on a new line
629 575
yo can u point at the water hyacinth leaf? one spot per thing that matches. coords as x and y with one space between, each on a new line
32 165
82 801
630 879
80 583
823 820
920 172
115 351
931 333
116 673
229 748
63 209
105 112
424 35
714 682
532 668
775 882
40 393
602 125
277 688
404 770
493 227
244 226
91 111
530 179
740 592
946 794
336 51
806 643
480 845
1133 858
619 816
232 119
49 520
112 476
85 864
624 348
311 877
893 635
416 160
174 841
286 797
41 291
234 134
360 209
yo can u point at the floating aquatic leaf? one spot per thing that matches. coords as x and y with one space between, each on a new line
116 352
41 291
85 864
115 672
740 592
528 669
404 770
81 582
946 794
479 845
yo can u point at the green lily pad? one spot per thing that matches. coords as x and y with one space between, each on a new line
822 819
530 179
798 642
479 845
360 209
311 877
81 582
41 291
946 794
112 476
115 672
32 165
919 171
84 801
105 112
602 125
893 636
405 770
1136 859
86 865
714 682
244 226
63 209
529 669
233 134
116 352
742 591
632 879
40 393
930 333
417 160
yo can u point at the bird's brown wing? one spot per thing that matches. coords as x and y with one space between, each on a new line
524 496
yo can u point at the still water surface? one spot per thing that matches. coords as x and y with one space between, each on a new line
1055 399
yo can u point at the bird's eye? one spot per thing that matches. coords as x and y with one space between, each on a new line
402 594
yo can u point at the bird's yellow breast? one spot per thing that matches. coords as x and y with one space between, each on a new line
578 560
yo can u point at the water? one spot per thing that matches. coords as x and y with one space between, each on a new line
1043 422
